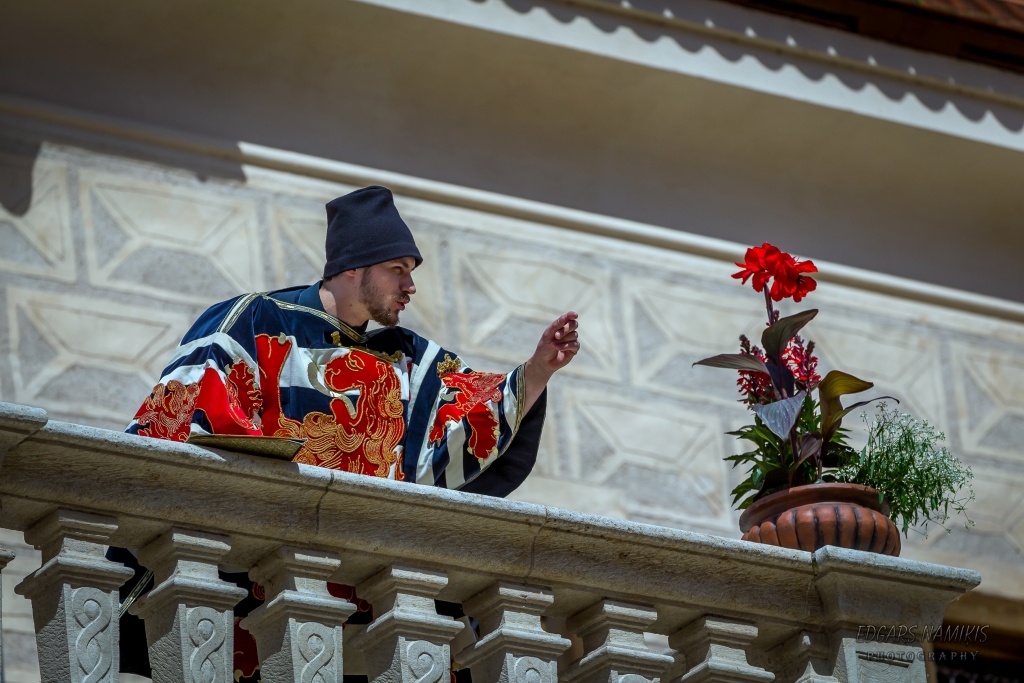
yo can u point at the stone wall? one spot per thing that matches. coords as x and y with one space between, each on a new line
105 261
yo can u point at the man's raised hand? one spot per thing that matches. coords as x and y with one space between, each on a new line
557 346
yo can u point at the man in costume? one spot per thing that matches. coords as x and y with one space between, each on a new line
300 363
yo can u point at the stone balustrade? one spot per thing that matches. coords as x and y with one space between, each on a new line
731 611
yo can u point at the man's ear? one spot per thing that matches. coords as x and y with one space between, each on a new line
356 276
350 274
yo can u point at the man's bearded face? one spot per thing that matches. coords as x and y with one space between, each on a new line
382 294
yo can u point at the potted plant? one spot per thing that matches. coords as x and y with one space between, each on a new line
806 487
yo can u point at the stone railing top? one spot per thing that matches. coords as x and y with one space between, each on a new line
152 485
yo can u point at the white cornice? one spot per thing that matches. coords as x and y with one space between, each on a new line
245 153
765 53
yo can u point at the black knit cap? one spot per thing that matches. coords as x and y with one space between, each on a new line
363 229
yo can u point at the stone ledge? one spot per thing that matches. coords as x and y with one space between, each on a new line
151 485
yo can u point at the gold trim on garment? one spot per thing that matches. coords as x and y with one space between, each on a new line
389 357
341 325
232 317
448 366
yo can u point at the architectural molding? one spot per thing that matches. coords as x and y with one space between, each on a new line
857 73
115 131
750 39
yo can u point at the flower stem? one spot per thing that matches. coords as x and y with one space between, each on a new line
768 305
795 445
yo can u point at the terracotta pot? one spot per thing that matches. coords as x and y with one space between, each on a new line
813 516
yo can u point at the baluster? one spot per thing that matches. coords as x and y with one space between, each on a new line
188 613
408 641
5 557
74 598
298 629
715 649
613 643
803 659
513 647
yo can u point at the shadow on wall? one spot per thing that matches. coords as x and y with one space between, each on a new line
16 174
801 38
20 149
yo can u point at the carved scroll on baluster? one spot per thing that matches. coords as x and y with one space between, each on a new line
408 641
513 648
613 643
74 598
715 649
188 613
298 629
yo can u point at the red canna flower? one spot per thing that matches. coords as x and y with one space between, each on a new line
768 264
755 265
790 280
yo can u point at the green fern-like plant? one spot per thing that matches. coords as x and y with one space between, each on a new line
904 459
